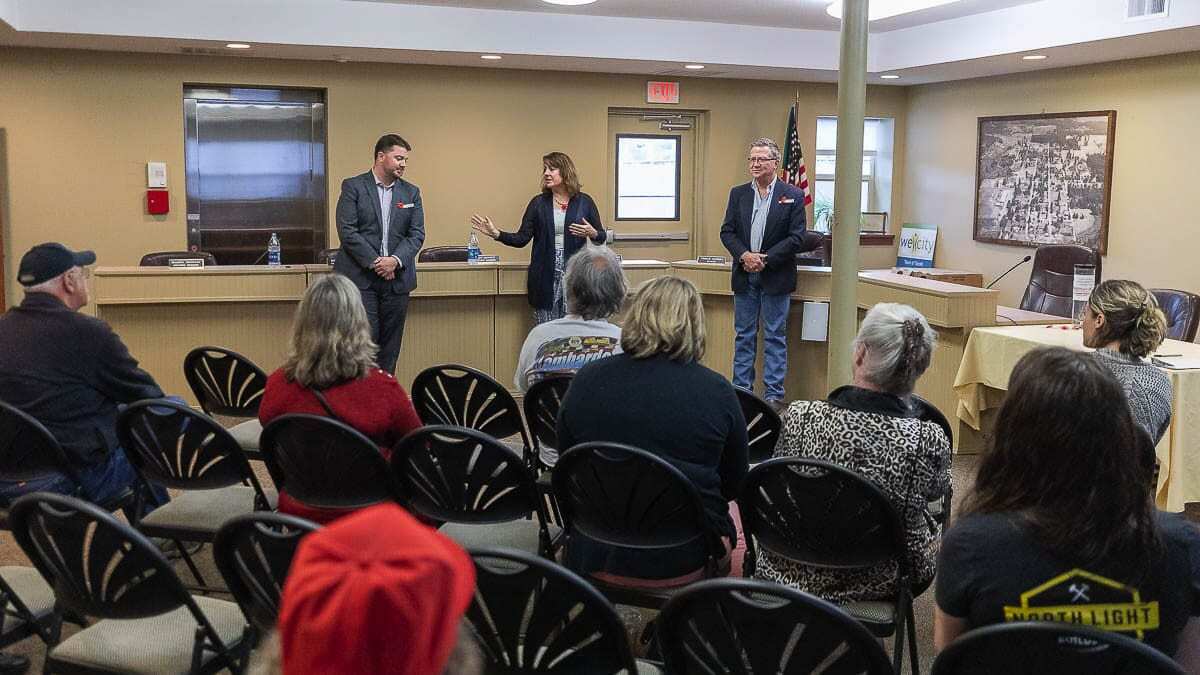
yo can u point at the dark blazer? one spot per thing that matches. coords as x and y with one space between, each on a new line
782 238
70 371
538 224
360 227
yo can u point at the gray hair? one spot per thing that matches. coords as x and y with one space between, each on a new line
899 346
331 339
768 144
593 283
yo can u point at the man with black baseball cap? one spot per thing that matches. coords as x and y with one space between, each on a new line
71 372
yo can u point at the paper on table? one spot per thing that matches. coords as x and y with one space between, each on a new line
1176 362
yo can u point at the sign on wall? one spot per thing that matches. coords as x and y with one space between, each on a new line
662 92
917 242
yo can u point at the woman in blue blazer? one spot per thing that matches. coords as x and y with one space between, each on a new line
559 221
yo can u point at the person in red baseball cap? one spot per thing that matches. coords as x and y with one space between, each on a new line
377 592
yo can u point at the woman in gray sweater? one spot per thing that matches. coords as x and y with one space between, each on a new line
1123 323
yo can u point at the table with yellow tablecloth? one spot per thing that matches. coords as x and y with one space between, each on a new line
991 353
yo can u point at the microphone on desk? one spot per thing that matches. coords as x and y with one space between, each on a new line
1022 262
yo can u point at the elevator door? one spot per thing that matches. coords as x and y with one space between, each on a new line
255 161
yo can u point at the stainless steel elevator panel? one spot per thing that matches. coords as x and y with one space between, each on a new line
255 164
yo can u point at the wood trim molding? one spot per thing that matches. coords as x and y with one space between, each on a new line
876 239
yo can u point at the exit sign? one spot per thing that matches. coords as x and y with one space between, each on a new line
662 92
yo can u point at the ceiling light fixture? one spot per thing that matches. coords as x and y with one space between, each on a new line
1034 57
237 45
695 66
889 77
491 57
882 9
569 2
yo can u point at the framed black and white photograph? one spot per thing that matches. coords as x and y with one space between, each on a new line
1045 179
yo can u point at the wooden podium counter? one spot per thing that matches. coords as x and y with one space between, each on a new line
478 315
952 309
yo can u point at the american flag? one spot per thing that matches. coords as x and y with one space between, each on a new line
793 160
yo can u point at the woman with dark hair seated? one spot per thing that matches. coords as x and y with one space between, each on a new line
1061 525
1123 322
331 371
872 428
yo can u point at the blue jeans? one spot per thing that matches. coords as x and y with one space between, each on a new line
103 484
748 308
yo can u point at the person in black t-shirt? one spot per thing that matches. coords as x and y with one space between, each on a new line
1061 525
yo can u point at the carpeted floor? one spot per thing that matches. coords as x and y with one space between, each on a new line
963 470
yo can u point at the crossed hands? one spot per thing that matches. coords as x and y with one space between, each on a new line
385 266
753 262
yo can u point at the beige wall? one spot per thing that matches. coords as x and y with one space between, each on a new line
80 126
1153 214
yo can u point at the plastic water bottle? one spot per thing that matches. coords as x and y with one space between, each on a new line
273 250
473 249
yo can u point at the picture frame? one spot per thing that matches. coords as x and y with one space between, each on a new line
873 222
1045 179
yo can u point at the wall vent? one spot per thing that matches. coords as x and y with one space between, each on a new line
1146 9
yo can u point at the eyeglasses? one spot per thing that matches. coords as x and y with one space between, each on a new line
761 160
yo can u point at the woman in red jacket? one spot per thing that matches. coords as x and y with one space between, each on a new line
331 351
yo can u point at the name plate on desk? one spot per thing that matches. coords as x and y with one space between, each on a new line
712 259
487 258
185 262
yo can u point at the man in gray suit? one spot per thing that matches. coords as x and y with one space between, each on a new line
382 225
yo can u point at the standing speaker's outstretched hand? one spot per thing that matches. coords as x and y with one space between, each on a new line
484 225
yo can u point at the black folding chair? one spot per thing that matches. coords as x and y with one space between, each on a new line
28 607
750 626
465 397
1026 648
541 405
481 489
101 567
822 515
939 509
622 496
228 384
531 615
763 425
326 464
29 451
253 553
172 445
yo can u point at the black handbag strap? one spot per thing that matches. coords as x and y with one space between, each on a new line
325 404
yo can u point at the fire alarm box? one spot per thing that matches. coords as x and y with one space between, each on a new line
157 202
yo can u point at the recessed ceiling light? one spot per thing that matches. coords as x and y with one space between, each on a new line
882 9
889 77
695 66
491 57
1034 57
569 2
237 45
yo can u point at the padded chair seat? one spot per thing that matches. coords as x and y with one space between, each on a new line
877 616
155 645
33 591
195 515
246 434
519 534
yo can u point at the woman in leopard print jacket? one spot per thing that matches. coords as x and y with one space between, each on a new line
872 428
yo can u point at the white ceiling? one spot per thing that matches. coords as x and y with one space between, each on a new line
808 14
733 38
